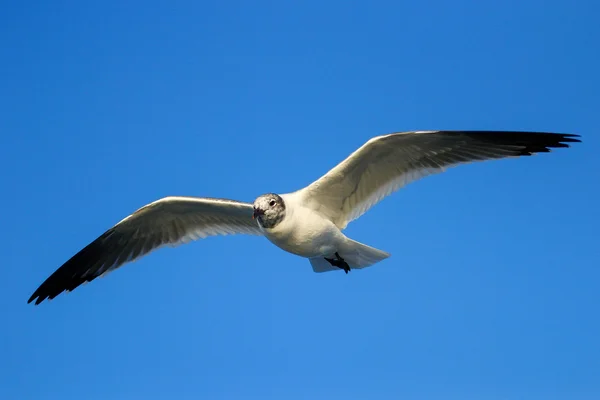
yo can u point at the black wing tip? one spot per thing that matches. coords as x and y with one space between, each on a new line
532 142
55 285
39 298
49 290
571 137
82 267
544 142
43 292
65 279
556 139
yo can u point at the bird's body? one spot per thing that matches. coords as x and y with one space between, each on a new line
308 233
304 232
308 222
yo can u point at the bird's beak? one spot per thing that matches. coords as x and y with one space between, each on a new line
257 212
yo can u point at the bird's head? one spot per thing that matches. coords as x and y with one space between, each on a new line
269 210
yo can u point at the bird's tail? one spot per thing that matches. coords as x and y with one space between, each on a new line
356 254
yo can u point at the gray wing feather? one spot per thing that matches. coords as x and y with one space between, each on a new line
170 221
386 163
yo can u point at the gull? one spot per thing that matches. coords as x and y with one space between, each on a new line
308 222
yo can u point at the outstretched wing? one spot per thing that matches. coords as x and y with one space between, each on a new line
168 221
386 163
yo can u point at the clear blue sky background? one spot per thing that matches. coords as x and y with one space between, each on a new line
492 290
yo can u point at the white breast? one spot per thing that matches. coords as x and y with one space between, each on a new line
304 232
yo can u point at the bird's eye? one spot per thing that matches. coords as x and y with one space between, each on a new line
272 203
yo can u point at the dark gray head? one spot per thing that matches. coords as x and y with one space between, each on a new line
269 210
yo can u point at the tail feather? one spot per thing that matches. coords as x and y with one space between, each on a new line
320 264
356 254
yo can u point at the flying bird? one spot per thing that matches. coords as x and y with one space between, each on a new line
308 222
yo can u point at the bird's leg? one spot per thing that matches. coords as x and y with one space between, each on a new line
338 262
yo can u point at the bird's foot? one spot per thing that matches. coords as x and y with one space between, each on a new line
338 262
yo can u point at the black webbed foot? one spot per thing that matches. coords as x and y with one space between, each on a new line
338 262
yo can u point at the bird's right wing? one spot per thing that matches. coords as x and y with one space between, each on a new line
168 221
386 163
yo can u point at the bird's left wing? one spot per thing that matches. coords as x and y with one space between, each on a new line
168 221
386 163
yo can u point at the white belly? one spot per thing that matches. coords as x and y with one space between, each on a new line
306 234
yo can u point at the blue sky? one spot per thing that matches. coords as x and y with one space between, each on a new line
492 289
